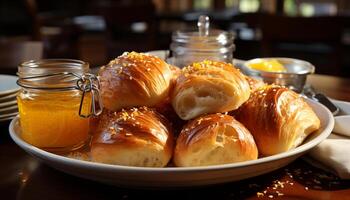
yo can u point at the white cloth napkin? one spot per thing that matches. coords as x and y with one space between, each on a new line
333 154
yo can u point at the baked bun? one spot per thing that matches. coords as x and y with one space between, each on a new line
176 72
214 139
278 118
209 87
175 121
254 84
135 137
134 79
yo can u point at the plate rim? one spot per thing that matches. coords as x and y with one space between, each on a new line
7 118
8 97
7 103
12 90
132 169
9 109
8 115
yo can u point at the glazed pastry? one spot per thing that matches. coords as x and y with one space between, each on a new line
254 83
214 139
134 137
209 87
278 118
175 121
176 73
134 79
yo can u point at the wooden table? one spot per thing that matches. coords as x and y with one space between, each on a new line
334 87
24 177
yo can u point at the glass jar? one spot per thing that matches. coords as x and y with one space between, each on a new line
204 44
55 101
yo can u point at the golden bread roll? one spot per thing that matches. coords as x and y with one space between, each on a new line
175 121
176 73
134 79
278 118
209 87
254 84
214 139
134 137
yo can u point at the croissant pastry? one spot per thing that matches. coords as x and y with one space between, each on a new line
278 118
254 83
209 87
214 139
134 137
134 79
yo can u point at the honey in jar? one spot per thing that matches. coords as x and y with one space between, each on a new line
49 103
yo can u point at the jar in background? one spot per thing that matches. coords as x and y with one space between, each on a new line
204 44
54 95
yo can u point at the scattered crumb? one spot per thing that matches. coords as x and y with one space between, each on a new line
259 194
79 156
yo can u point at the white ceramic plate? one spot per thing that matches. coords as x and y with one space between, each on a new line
173 176
8 84
344 107
9 97
9 109
8 115
8 103
342 120
7 118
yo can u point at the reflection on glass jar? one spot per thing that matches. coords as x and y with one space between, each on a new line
204 44
49 103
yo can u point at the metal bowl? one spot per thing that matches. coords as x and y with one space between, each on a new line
294 78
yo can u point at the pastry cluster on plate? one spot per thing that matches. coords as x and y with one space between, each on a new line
207 113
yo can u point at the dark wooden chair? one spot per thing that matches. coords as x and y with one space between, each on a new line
121 18
52 23
12 53
315 39
17 19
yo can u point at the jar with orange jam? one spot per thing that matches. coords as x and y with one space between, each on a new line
56 98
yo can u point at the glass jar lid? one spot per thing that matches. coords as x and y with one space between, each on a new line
62 75
51 73
204 39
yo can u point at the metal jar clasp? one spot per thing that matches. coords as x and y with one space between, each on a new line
89 83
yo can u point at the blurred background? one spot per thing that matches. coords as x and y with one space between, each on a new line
96 31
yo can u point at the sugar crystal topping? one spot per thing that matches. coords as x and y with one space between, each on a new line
131 114
133 59
202 67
